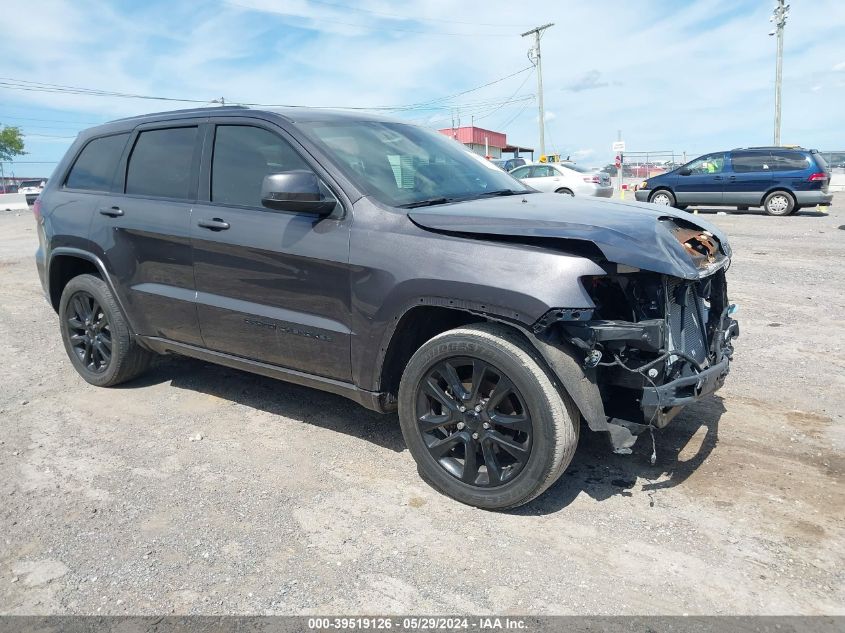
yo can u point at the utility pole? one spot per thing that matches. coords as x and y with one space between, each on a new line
534 56
779 16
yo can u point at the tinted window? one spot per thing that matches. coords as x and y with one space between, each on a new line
744 162
243 155
789 161
521 172
94 169
160 164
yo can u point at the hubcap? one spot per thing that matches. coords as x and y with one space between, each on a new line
89 332
661 198
489 442
779 204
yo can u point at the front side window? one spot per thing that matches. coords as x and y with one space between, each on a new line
710 164
243 156
745 162
521 172
403 165
94 168
160 164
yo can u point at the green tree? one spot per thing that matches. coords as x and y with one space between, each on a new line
11 143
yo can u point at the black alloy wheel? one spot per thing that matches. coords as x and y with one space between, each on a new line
89 332
474 421
96 335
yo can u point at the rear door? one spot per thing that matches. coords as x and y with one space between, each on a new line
543 177
704 182
749 178
143 227
272 286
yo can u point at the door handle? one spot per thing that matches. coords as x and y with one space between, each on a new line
214 224
717 178
112 212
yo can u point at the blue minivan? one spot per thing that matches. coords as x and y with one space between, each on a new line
779 179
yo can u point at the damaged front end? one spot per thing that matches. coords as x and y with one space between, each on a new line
651 344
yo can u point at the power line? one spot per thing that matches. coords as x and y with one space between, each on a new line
10 83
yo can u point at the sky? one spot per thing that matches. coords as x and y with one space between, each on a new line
688 76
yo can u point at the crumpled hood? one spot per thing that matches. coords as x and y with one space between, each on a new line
635 234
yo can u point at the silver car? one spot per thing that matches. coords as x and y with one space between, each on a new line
567 178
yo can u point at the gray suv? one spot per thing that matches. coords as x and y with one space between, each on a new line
385 263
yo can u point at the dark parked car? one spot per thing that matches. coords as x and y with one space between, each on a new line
509 164
385 263
780 179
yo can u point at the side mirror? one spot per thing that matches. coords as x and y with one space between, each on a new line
297 190
685 171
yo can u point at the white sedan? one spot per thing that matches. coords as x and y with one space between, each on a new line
568 178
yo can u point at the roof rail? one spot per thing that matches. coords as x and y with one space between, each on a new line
798 147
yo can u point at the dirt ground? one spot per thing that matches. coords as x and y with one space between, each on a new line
200 489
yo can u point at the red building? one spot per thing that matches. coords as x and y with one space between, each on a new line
485 142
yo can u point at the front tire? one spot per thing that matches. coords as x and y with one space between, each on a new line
779 203
565 191
663 197
96 336
516 433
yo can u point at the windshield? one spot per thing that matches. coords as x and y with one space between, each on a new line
31 183
402 165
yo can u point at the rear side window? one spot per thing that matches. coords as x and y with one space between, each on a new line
542 171
744 162
94 168
160 164
789 161
243 155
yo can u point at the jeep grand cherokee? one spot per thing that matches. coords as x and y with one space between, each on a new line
384 262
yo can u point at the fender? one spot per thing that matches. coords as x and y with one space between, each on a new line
101 267
580 384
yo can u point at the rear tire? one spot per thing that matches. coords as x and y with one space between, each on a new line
779 203
566 191
662 197
517 433
96 336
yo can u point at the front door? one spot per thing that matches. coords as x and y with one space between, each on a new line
143 227
702 180
272 286
749 178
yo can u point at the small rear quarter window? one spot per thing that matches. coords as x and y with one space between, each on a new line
95 166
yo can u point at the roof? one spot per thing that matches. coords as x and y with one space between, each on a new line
290 114
476 136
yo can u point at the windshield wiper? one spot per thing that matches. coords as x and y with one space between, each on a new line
503 192
425 203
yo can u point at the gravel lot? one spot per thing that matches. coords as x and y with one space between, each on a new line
200 489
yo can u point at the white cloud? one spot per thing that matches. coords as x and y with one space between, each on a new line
839 67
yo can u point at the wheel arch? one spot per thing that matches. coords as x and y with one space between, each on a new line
66 263
416 325
773 189
665 188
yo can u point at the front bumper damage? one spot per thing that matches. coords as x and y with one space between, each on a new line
638 373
